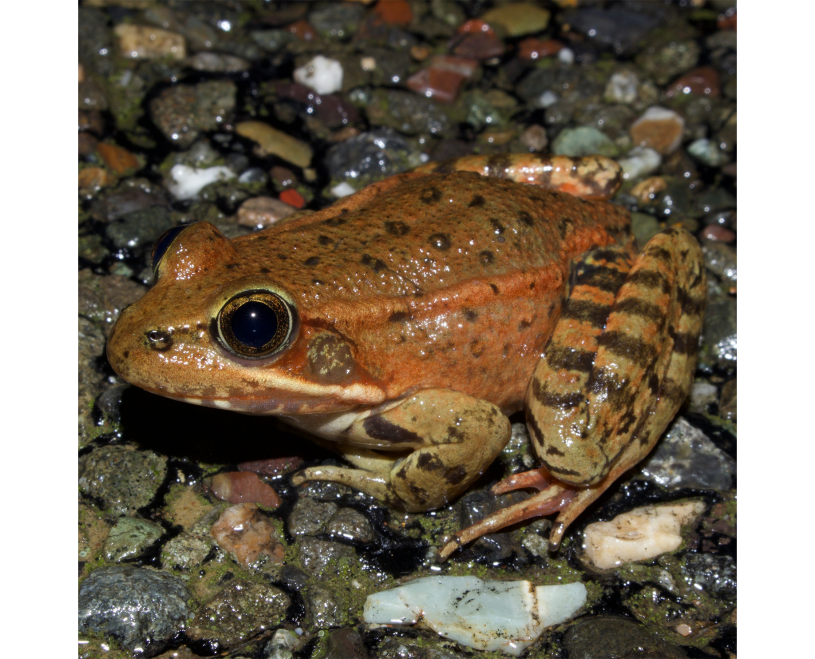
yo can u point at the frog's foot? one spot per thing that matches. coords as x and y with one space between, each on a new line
590 177
549 500
450 439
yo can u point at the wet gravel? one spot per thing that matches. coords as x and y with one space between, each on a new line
166 568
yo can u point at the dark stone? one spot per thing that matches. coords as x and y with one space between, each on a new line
712 573
610 637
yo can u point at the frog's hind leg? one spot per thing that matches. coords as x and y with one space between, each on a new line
613 374
453 437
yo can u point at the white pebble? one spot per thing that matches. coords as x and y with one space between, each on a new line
622 87
566 55
547 99
486 615
342 190
639 534
323 75
188 182
640 162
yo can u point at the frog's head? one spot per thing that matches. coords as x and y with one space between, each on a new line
214 332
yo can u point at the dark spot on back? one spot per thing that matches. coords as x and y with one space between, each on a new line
264 270
497 226
336 221
470 315
494 288
441 241
231 266
324 240
526 218
487 257
397 228
565 227
524 324
374 264
312 261
476 202
398 316
431 195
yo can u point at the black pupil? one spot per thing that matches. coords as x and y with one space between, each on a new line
254 324
163 243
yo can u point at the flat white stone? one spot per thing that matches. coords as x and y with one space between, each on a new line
343 190
486 615
188 181
640 162
323 75
638 534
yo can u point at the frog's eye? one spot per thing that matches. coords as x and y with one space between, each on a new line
162 245
255 323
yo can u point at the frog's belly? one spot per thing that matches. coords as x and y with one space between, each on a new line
486 350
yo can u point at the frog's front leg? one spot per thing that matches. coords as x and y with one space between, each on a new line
451 439
617 367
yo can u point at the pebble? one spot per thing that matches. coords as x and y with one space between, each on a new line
646 191
658 128
350 524
486 615
309 517
271 141
261 212
244 487
721 260
181 112
395 12
324 610
728 402
217 63
185 552
534 138
148 42
622 87
720 326
518 18
377 153
187 182
321 74
640 161
712 573
87 145
708 153
119 159
644 227
566 56
687 458
283 643
702 394
93 179
140 229
532 48
91 96
93 531
292 198
668 58
321 557
124 480
138 606
408 113
343 189
238 612
638 535
247 535
617 27
583 141
719 233
129 537
336 20
273 467
443 78
302 30
477 45
702 81
609 637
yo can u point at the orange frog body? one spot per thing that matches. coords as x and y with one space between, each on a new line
401 325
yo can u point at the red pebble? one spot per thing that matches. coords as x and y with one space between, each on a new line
726 22
272 467
475 25
702 81
396 12
532 49
292 198
244 487
302 30
436 83
721 234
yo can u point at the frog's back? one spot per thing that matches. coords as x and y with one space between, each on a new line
434 277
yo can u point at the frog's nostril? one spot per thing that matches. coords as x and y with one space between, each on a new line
159 340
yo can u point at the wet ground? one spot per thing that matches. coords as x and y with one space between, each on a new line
215 87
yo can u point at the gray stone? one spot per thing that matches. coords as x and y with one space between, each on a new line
711 573
345 644
186 551
129 537
720 259
138 606
408 113
350 524
181 112
583 141
687 458
140 229
123 479
373 155
323 608
719 332
336 21
239 612
309 517
618 28
668 59
319 557
708 153
610 637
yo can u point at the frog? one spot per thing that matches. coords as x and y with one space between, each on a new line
402 325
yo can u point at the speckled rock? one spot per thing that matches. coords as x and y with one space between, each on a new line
248 535
720 259
711 573
93 531
123 479
686 457
719 331
323 608
239 612
129 537
583 141
617 27
669 58
336 21
319 557
408 113
610 637
372 155
345 644
181 112
148 42
186 551
138 606
309 517
350 524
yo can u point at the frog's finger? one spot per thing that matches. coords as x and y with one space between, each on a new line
590 177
